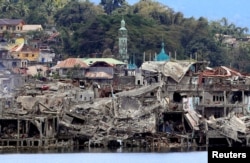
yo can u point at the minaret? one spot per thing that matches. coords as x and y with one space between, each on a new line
123 42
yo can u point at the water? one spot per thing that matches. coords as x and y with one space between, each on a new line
106 156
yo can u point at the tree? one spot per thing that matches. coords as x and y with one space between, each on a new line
8 9
111 5
23 10
75 12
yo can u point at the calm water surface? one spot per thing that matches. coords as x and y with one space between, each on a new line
132 155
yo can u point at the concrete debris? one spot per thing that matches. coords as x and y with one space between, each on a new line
171 107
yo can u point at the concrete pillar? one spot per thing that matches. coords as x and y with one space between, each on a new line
41 134
46 126
225 103
27 127
243 102
96 92
18 130
203 102
54 125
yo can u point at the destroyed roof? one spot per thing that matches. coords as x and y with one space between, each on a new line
221 71
174 69
152 66
70 63
110 61
140 91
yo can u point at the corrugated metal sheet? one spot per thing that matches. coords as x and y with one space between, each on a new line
153 66
174 69
221 71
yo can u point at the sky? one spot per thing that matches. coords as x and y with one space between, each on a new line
236 11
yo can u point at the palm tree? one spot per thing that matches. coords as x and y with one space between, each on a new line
8 8
23 10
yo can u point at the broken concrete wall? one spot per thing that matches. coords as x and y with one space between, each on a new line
85 95
54 102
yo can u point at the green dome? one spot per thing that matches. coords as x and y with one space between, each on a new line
162 56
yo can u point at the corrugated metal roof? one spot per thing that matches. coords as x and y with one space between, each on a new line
174 69
221 71
70 63
110 61
11 21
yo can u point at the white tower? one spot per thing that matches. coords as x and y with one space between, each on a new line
123 42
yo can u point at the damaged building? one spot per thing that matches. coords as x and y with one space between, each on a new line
176 103
205 94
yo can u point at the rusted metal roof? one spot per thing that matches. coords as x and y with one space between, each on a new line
98 75
70 63
221 71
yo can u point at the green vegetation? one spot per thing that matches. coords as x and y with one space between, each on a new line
86 28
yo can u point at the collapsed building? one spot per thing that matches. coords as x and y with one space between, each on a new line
211 93
179 103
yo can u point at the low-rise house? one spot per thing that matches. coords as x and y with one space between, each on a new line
71 67
46 54
100 72
27 52
11 63
17 26
11 25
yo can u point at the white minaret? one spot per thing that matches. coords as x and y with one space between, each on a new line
123 42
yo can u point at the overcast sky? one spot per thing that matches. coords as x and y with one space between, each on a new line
236 11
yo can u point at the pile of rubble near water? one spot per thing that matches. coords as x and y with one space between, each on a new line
130 117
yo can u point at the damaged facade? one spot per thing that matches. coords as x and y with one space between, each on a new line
174 103
164 103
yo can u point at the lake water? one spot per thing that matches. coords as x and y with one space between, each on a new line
106 156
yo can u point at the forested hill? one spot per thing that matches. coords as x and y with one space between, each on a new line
86 28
